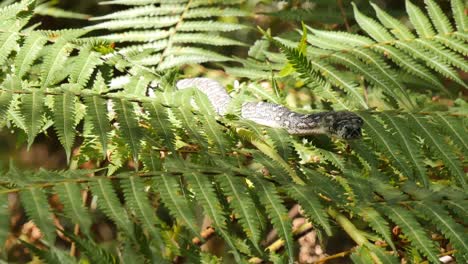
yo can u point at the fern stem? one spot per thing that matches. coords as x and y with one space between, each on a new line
348 227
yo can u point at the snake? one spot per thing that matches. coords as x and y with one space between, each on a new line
341 124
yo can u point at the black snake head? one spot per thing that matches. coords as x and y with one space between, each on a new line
344 124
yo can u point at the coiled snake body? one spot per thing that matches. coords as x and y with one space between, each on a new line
342 124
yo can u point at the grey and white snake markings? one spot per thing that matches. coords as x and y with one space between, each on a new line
342 124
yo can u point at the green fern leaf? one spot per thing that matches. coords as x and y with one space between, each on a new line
37 208
413 230
397 28
7 44
408 145
277 213
5 100
169 190
242 204
206 196
134 23
453 43
28 53
146 10
372 27
31 109
209 26
439 19
212 129
109 203
280 139
137 200
203 38
159 120
54 62
70 196
454 128
459 208
64 120
129 126
206 12
386 141
311 205
84 66
458 9
97 115
419 20
93 251
378 224
451 229
437 144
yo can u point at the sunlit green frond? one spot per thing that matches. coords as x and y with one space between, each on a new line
458 9
396 27
97 115
212 129
438 18
64 120
32 107
7 44
419 20
28 53
129 127
372 27
37 208
160 122
455 128
54 62
83 66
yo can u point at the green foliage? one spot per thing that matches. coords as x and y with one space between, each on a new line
164 160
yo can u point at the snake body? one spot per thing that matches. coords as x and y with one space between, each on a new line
342 124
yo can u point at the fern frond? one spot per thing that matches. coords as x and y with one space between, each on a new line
311 205
137 201
97 116
71 197
413 230
461 21
420 21
451 229
241 203
32 107
437 144
64 120
276 212
37 207
206 196
160 122
109 203
129 126
378 224
438 18
169 189
8 42
28 53
54 62
84 66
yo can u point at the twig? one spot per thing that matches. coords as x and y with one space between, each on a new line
337 255
343 14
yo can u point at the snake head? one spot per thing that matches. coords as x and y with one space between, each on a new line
344 124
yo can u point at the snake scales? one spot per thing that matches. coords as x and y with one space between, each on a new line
342 124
